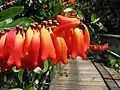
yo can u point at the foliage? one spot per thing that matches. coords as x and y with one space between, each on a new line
10 12
106 10
41 9
98 15
25 79
8 18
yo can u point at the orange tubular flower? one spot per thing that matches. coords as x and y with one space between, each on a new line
65 19
63 51
68 40
66 23
15 56
27 42
67 26
47 48
8 46
40 61
2 42
60 49
78 44
57 46
33 51
86 38
9 42
29 35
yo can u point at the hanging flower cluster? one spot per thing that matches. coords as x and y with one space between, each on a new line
103 47
28 49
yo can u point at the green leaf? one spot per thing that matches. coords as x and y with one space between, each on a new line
24 22
29 87
46 66
37 70
16 89
56 9
67 10
93 17
101 26
5 78
80 15
11 12
15 70
20 75
112 62
2 23
1 1
95 21
7 21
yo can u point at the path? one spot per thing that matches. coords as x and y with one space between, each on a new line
78 75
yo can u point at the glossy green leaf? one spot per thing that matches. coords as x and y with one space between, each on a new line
11 12
46 66
29 87
95 21
56 9
4 22
80 15
24 22
9 20
20 75
15 70
16 89
37 70
68 9
101 26
93 17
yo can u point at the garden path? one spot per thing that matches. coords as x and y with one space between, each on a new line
78 75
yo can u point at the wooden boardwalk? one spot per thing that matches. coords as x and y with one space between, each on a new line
78 75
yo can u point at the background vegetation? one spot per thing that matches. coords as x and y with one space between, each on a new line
101 16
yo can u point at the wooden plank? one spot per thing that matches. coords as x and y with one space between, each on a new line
82 87
79 61
81 66
70 75
106 74
81 75
74 83
114 73
118 82
82 71
111 82
102 70
80 79
112 85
